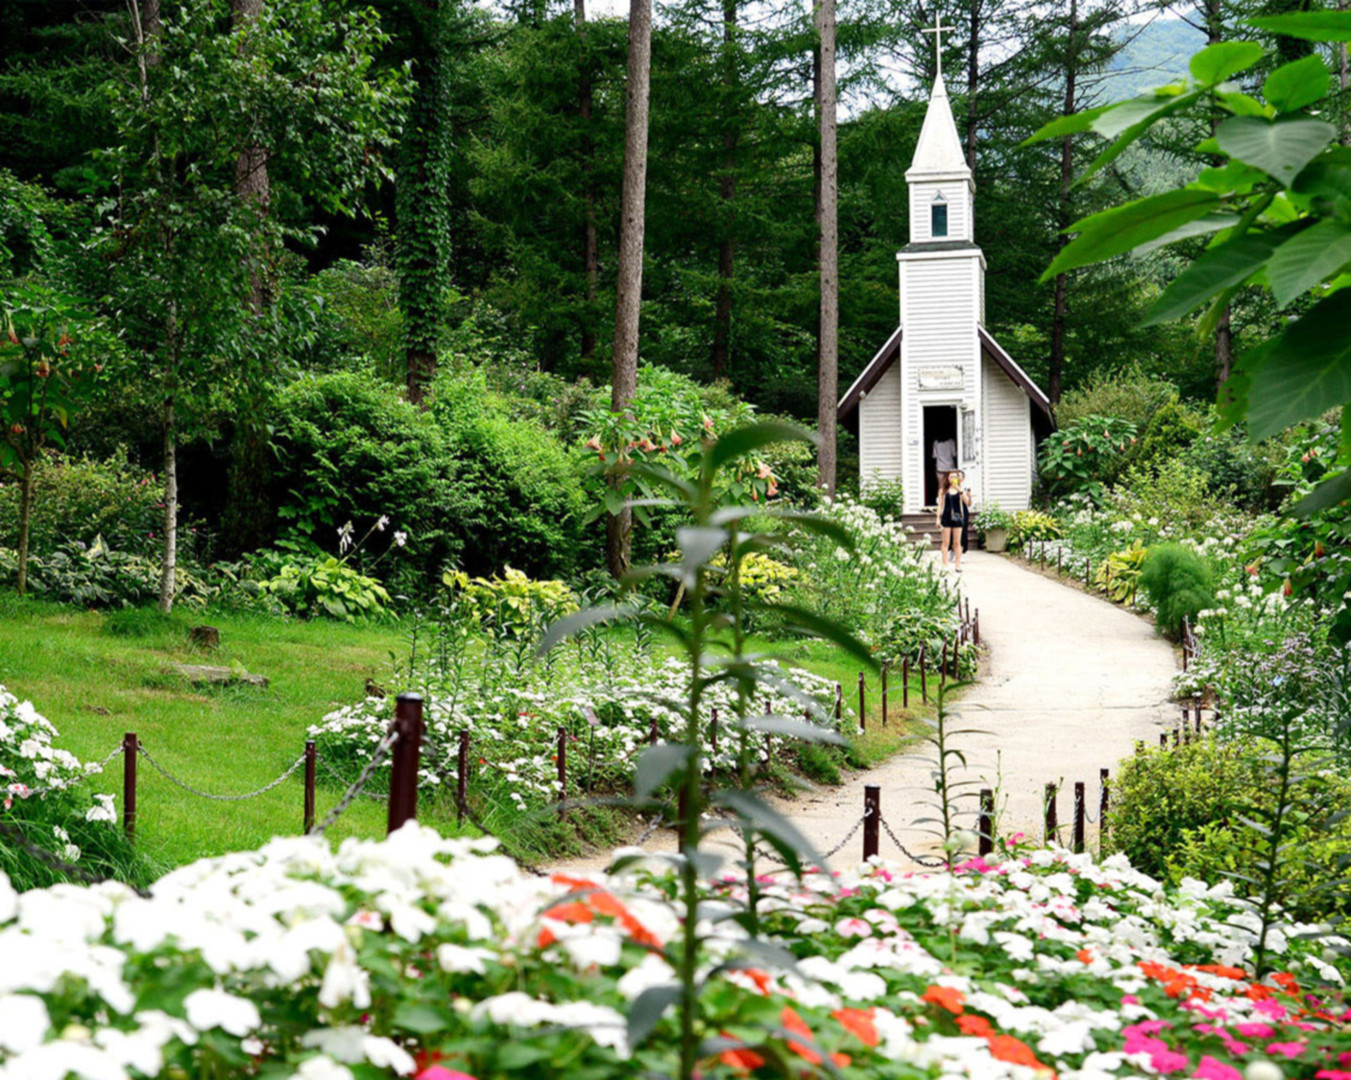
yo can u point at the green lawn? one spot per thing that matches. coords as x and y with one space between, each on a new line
96 675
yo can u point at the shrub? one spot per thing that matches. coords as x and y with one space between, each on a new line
511 606
887 497
1171 430
97 576
327 586
1086 456
1032 525
347 447
1133 395
77 499
1179 585
1235 470
1176 813
1173 493
1119 573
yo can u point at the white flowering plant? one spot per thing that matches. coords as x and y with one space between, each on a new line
439 959
43 797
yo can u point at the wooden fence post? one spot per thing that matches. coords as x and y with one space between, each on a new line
713 733
311 756
956 659
872 819
943 667
975 627
905 681
652 732
1080 812
462 777
986 828
1103 801
1163 740
1050 824
562 770
862 705
839 705
884 693
923 676
403 776
130 751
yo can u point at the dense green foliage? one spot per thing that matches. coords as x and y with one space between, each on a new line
1178 583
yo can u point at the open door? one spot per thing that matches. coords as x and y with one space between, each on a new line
940 447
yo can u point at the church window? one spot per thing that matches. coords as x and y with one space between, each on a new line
938 217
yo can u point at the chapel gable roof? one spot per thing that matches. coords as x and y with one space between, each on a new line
890 353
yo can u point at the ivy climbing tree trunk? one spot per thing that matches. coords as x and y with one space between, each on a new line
1064 211
1213 14
629 291
590 247
828 350
422 199
722 316
169 561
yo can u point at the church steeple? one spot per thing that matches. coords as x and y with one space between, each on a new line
939 150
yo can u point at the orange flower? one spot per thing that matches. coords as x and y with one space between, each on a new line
1221 970
545 939
971 1024
945 997
1286 982
859 1023
1014 1051
742 1059
760 978
795 1023
574 912
1084 956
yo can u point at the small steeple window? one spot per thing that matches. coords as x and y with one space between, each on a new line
938 217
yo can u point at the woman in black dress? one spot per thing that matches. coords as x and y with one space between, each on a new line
954 506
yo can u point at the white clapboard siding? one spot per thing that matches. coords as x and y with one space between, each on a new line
958 197
1008 441
880 449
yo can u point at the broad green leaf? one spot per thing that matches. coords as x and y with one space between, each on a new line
421 1018
1124 228
655 766
744 441
1280 149
1327 494
797 618
1232 263
1234 395
1067 125
1215 63
1130 134
1309 25
1327 177
1295 85
698 545
1306 371
1242 104
1211 223
1309 258
580 620
794 728
777 829
649 1007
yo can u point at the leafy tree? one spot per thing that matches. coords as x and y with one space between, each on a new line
44 375
178 250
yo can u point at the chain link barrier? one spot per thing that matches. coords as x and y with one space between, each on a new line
930 861
209 795
78 780
70 869
847 837
375 795
360 782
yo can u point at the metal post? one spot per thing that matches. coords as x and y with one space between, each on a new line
311 755
713 733
1186 725
1163 739
1196 711
682 810
1059 562
130 751
986 828
652 732
976 629
872 819
1186 636
862 705
956 658
884 693
905 682
943 667
562 770
1080 811
923 675
1051 823
462 778
1088 574
839 704
404 760
1103 800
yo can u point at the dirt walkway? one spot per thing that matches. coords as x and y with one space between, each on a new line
1069 685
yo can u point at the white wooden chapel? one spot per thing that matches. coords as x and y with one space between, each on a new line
941 375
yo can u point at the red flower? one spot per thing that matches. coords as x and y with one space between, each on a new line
945 997
859 1023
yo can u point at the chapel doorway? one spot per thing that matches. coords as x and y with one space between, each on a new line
940 446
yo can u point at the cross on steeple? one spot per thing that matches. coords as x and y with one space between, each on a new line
938 30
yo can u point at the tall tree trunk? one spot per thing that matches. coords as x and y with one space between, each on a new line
25 519
629 290
169 564
972 81
590 247
422 197
1060 312
828 353
722 318
247 502
1213 13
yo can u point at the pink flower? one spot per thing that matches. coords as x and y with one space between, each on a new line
1289 1050
1169 1061
440 1072
1255 1031
1333 1074
1270 1007
1130 999
1210 1069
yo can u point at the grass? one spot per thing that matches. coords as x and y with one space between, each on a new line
97 675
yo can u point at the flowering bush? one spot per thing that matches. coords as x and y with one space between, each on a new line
512 604
513 717
40 793
1084 455
438 958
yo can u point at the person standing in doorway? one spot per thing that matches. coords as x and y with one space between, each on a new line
945 463
954 506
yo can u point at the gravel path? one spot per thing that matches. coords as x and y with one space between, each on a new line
1069 684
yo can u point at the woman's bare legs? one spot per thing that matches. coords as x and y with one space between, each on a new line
944 539
953 537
